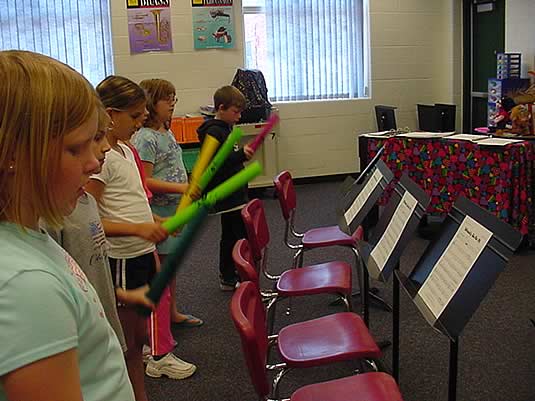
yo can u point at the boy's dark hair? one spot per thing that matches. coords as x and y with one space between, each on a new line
228 96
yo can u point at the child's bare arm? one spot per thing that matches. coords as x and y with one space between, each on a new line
62 381
135 297
150 231
153 232
161 186
95 188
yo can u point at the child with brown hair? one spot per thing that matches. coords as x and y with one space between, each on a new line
167 179
229 103
131 230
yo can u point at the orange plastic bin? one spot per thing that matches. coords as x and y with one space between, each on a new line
190 129
177 128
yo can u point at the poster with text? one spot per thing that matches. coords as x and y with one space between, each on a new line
149 25
213 24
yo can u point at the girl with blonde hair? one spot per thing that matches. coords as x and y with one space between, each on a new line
50 317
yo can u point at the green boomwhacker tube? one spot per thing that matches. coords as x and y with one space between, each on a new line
174 260
220 157
217 194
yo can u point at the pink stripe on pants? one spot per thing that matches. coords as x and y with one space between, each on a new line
159 323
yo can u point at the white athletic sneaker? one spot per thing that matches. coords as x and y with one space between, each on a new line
171 366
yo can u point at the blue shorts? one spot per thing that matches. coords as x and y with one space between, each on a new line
165 247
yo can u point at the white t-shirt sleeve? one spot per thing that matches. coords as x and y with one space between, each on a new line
38 320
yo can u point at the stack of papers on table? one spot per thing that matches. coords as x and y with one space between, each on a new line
424 135
468 137
498 141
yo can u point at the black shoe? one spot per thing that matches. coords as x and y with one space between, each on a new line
231 285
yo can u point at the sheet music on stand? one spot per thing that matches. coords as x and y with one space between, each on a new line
348 182
458 269
396 225
363 195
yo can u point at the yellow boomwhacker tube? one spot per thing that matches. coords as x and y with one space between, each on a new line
208 150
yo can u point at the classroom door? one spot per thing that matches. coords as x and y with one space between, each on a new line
484 37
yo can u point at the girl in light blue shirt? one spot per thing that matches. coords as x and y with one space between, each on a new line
56 341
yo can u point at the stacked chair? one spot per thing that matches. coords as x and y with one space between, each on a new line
333 338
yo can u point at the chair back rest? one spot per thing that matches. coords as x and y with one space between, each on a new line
244 262
358 234
248 315
254 219
285 193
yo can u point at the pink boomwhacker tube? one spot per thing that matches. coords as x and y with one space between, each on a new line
270 123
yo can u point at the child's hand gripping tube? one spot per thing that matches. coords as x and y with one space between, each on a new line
208 149
194 214
220 157
259 139
174 260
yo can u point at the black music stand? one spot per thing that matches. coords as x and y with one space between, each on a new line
446 300
352 210
363 195
379 266
348 182
364 173
380 255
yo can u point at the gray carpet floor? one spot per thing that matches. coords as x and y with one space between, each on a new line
497 348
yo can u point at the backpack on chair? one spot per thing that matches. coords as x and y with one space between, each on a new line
253 86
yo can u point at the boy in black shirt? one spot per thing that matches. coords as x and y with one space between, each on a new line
229 103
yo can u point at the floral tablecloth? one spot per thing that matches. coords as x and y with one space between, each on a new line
499 179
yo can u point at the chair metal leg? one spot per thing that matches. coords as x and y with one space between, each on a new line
276 381
365 294
298 258
347 301
289 307
270 315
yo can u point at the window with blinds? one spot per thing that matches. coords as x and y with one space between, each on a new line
309 49
76 32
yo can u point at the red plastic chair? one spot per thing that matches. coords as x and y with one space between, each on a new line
339 337
318 237
330 277
313 238
325 278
